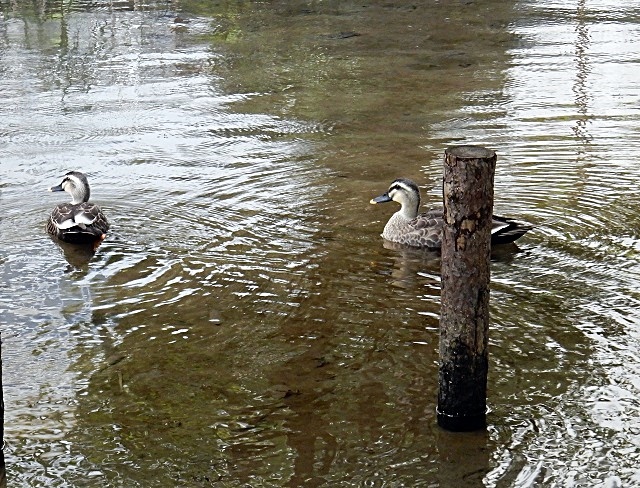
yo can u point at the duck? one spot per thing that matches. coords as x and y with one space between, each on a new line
409 228
78 222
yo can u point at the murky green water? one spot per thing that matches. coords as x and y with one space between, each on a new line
243 324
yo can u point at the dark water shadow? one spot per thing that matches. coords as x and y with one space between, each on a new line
77 255
409 260
464 458
505 253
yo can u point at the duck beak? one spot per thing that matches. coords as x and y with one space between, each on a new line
381 199
56 188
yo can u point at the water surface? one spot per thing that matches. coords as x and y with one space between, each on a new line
244 324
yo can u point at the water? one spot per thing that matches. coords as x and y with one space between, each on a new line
243 324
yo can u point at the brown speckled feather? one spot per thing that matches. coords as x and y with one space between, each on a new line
426 230
423 231
78 224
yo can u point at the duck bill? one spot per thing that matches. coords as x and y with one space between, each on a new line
381 199
56 188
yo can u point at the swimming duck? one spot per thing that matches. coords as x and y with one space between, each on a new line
408 227
78 222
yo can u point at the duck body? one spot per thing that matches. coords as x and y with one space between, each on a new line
78 222
410 228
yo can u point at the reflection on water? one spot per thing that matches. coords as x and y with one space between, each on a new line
244 324
77 255
583 97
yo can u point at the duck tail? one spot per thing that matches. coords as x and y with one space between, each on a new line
507 230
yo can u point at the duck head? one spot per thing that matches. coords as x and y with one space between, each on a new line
76 185
406 193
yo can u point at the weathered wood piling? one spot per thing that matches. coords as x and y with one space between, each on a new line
464 320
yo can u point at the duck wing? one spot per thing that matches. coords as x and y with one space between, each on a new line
505 230
80 223
427 229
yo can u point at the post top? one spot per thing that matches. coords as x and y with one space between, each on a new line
470 152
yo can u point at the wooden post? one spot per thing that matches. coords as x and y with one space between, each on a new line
464 320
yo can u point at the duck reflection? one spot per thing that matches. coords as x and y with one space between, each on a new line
77 255
411 262
505 253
